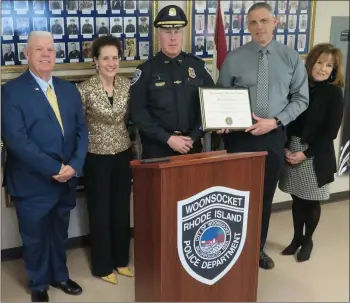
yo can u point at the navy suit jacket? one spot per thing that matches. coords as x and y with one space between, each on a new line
36 147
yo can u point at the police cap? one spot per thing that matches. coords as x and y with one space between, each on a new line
170 16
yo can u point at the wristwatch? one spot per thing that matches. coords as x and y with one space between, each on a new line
278 122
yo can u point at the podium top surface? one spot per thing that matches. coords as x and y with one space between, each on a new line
200 158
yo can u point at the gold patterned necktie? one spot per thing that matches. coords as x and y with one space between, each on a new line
51 96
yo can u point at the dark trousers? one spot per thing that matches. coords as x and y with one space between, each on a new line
155 149
43 226
273 143
108 188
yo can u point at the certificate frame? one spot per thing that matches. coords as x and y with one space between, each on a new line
231 128
16 40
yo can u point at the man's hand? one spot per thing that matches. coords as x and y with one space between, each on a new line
222 131
296 158
262 126
180 144
65 174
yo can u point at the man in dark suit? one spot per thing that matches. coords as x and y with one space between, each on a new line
46 138
72 28
87 27
130 28
56 29
9 54
116 5
117 28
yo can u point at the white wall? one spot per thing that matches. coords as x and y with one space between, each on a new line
78 223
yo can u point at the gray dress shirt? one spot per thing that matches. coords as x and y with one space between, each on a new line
287 78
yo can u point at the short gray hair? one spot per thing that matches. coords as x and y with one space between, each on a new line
34 34
259 5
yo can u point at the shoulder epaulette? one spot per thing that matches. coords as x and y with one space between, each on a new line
194 56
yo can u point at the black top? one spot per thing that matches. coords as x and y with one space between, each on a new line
164 96
318 126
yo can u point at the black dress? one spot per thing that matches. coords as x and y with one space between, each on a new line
313 133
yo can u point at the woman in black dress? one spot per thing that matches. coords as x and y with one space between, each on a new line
310 156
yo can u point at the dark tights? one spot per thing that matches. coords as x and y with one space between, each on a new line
305 213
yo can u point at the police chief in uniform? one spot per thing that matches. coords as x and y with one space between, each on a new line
164 102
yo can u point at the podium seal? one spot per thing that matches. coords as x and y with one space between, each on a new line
211 232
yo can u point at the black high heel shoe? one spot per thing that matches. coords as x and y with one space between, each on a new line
292 248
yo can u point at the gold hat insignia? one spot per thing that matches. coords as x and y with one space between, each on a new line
172 12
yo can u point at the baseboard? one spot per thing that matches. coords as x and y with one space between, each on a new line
83 241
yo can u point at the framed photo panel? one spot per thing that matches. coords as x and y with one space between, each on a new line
74 24
295 26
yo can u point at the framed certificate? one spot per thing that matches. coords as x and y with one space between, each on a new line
227 108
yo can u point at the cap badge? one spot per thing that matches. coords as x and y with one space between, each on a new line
172 12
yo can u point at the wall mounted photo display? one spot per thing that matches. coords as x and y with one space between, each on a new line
87 27
129 6
39 7
209 44
40 24
102 26
143 26
56 7
101 7
130 48
73 51
7 28
199 45
6 7
227 22
200 6
237 6
144 50
60 52
57 27
86 6
21 56
130 26
143 6
116 26
21 7
116 6
87 48
8 53
72 6
72 27
22 29
211 24
199 23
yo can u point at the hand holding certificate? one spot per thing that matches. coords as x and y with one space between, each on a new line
225 108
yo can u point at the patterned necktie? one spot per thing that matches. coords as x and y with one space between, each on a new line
51 96
262 91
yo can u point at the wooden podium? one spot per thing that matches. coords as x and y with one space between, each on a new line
158 187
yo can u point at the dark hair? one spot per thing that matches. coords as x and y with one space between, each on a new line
103 41
337 77
259 5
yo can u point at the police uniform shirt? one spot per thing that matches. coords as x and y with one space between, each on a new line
74 54
60 54
143 28
72 29
87 29
117 29
103 30
9 56
57 29
288 91
164 96
130 28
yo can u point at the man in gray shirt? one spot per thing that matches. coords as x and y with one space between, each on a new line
277 80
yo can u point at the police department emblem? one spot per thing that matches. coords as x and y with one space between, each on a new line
136 77
211 232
